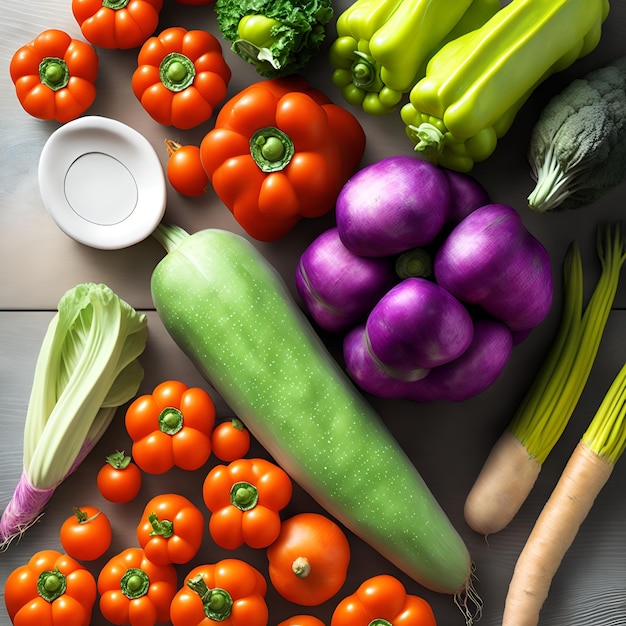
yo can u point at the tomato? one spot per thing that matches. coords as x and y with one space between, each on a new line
55 75
87 534
135 591
171 529
171 427
229 592
52 589
245 498
184 169
308 563
119 480
302 620
230 440
383 599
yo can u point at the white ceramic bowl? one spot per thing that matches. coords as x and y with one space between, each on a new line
102 182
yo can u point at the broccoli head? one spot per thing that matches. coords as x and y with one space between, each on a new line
577 147
278 37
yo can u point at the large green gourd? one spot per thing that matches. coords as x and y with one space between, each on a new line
231 313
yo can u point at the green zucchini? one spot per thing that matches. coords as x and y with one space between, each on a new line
232 314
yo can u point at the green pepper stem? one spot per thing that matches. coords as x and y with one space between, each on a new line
116 5
170 420
244 495
365 73
54 73
170 236
379 621
177 71
217 603
160 528
428 139
134 583
51 584
271 149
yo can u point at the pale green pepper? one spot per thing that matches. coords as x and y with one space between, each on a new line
383 46
475 85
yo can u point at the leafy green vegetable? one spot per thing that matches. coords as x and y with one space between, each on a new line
577 148
278 38
87 367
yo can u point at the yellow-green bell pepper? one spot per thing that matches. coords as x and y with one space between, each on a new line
475 85
383 46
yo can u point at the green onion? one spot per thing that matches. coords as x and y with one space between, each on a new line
549 403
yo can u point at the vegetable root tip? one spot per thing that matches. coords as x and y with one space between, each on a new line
502 486
469 601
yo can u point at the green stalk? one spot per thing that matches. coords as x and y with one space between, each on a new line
606 434
549 403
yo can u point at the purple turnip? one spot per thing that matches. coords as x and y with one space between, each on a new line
393 205
491 260
418 325
338 288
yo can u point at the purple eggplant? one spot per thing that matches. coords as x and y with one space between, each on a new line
338 288
393 205
491 260
418 325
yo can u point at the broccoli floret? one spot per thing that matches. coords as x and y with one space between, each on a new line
577 147
282 36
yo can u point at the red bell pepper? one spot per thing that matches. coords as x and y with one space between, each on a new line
181 77
117 24
280 151
54 76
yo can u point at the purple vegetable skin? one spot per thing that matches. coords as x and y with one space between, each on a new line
418 325
338 288
490 259
467 194
473 372
393 205
465 377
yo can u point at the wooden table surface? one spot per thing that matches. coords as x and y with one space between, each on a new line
447 442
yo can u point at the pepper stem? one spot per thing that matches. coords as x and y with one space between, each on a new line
116 5
54 73
428 139
244 496
51 584
365 73
271 149
379 621
177 71
134 583
170 420
301 567
160 528
217 603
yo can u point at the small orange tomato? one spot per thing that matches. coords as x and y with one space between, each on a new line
120 24
54 76
171 529
302 620
245 498
229 592
135 591
184 169
87 534
52 589
308 563
230 440
171 427
119 480
383 600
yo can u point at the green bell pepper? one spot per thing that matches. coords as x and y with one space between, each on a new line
383 46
